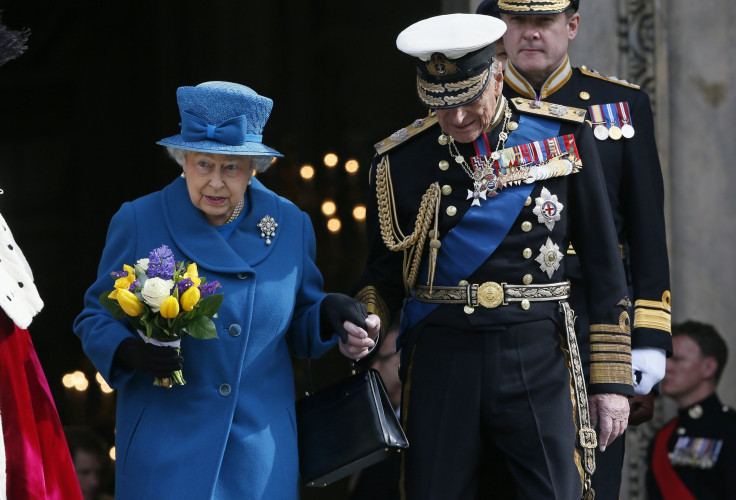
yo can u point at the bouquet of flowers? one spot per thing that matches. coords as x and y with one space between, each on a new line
165 301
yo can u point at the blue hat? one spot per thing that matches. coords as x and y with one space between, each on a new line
222 118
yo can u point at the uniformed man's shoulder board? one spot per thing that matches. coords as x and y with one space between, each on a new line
591 72
548 110
404 134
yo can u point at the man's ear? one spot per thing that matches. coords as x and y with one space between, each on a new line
709 367
572 26
498 83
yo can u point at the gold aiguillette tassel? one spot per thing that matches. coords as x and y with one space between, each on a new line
434 246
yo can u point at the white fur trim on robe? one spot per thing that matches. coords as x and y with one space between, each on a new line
18 295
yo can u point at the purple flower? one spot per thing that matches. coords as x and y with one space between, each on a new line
119 274
209 288
184 285
161 263
134 285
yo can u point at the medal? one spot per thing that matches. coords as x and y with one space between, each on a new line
600 131
627 130
614 132
548 209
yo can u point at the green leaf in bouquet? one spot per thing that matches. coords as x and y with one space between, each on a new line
112 306
202 327
209 305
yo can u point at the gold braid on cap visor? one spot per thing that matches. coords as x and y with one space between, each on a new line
471 87
534 5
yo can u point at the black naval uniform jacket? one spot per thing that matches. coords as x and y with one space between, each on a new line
414 162
635 190
701 450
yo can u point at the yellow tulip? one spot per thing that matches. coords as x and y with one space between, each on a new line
169 307
122 284
131 273
190 298
192 269
129 302
113 294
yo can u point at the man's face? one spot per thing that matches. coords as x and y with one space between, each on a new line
537 44
686 369
89 472
466 123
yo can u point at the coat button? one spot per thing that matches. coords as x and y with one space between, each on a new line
528 201
242 276
444 165
525 304
451 210
446 190
527 279
234 330
225 389
527 253
526 226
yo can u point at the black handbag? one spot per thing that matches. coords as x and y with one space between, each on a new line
345 428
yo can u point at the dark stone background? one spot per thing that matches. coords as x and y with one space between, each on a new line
82 109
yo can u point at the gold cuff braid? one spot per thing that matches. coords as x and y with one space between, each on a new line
610 352
653 314
375 305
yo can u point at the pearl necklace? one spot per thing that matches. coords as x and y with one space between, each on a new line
480 175
236 212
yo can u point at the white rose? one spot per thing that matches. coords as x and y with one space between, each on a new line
143 264
155 291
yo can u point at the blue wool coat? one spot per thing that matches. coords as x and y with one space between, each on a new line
230 432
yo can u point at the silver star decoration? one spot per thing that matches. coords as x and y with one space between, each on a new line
548 210
549 257
268 226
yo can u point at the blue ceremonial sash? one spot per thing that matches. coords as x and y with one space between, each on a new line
472 241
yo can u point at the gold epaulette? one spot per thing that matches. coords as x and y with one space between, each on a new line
591 72
548 110
403 134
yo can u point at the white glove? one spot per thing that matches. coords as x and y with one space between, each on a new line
650 363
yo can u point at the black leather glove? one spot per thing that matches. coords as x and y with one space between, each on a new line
337 308
157 361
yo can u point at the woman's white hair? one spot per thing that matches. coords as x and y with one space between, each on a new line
259 163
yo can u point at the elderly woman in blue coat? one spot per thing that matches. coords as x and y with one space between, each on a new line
229 433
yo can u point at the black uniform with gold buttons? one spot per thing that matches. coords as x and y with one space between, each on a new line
631 168
480 374
699 448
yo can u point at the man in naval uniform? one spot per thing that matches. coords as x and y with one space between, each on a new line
621 117
694 454
471 209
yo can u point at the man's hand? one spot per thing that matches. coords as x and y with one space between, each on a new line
641 408
360 341
610 414
648 365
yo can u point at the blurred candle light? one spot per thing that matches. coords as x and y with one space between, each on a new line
352 166
334 225
330 160
307 172
103 384
112 453
359 212
329 207
79 381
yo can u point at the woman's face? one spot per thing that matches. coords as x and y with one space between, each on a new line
216 183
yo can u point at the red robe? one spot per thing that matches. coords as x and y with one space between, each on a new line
37 457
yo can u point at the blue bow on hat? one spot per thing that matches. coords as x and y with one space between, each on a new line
232 131
222 118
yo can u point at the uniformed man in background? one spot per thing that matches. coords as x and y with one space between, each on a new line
694 454
621 117
470 213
